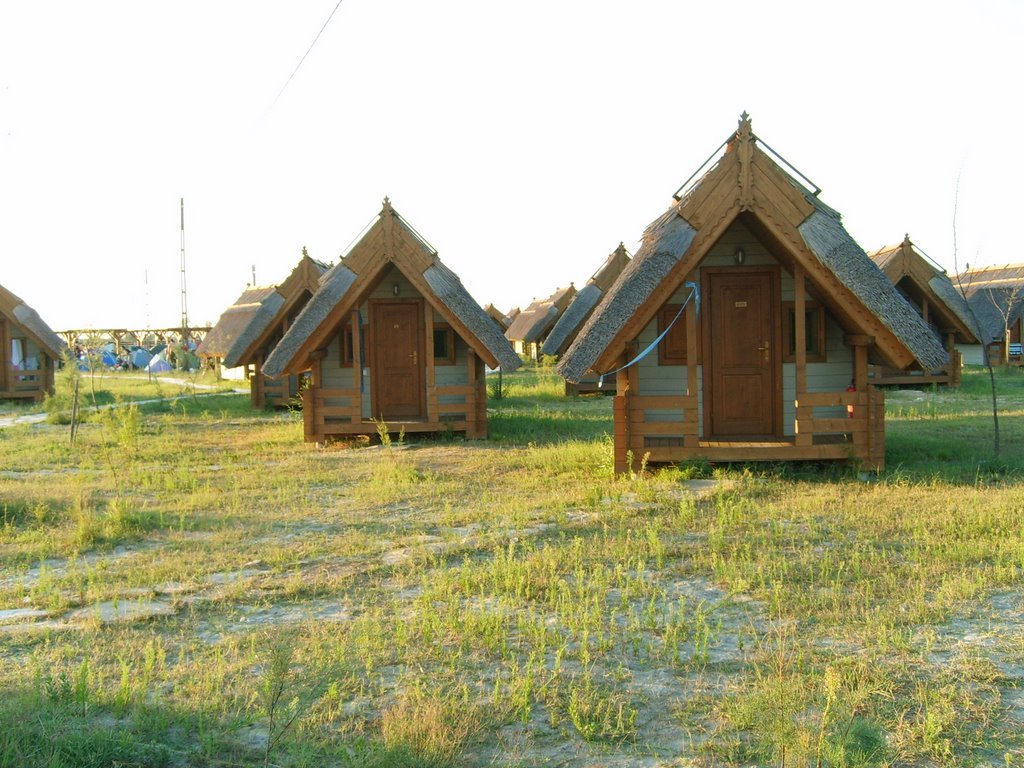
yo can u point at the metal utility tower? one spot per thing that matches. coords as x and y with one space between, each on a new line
184 292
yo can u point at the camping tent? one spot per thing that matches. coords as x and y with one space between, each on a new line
158 364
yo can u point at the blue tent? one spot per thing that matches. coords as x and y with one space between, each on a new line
158 364
139 358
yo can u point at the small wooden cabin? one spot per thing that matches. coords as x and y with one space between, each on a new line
392 336
579 310
929 290
254 329
766 315
29 350
498 316
233 321
530 328
996 297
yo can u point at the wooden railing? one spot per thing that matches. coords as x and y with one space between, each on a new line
26 384
858 433
323 417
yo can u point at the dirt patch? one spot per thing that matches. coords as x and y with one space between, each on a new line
14 615
111 611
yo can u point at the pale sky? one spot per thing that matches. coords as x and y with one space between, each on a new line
522 140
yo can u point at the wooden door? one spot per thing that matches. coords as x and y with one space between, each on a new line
743 374
397 360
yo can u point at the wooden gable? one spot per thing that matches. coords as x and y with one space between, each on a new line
747 184
911 273
389 243
296 290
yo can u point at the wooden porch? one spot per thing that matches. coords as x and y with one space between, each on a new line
277 393
859 437
337 412
950 375
819 434
16 384
28 385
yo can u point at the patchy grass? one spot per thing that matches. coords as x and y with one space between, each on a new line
194 585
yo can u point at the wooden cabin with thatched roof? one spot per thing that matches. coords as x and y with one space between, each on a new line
929 290
392 338
29 350
996 298
498 316
232 322
248 331
583 304
530 328
744 327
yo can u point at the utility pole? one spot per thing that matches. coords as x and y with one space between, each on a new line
184 293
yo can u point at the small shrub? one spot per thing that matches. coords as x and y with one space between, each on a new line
433 731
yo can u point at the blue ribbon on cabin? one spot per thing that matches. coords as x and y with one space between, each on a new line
694 296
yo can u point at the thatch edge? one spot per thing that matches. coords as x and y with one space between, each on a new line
333 287
260 321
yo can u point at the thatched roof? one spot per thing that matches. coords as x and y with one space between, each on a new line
448 289
1007 275
236 318
996 308
569 324
288 298
534 322
996 295
20 313
747 181
664 243
828 239
947 307
390 242
497 316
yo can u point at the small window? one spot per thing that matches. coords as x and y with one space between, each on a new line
346 351
444 345
672 349
814 333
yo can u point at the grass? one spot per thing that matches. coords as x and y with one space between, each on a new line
199 576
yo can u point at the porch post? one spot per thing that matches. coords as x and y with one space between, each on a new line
5 359
802 436
865 446
692 360
471 380
621 428
953 367
428 331
312 421
256 389
356 403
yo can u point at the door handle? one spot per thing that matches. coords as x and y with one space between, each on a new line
764 348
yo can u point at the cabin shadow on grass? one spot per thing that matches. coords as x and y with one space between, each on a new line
74 725
947 434
937 434
536 410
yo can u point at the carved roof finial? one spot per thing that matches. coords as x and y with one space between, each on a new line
744 131
387 203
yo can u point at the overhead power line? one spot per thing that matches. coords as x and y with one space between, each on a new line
292 75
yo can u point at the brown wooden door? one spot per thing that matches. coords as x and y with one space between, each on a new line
743 385
397 356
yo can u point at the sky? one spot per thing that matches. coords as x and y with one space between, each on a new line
523 140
